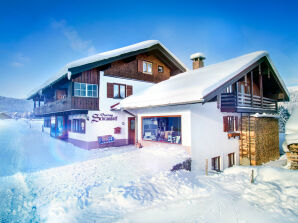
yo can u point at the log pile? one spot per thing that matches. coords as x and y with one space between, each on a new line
292 156
259 140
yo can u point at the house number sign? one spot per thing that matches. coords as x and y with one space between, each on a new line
103 117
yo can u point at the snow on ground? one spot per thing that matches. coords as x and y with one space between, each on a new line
131 185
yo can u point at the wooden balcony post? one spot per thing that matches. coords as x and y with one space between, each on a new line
34 104
261 85
251 87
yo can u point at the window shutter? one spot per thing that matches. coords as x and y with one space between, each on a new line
140 66
110 90
225 124
128 90
236 123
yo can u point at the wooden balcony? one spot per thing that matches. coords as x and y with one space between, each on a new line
67 105
240 102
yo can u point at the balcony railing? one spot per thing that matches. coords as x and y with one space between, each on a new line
54 107
233 101
67 104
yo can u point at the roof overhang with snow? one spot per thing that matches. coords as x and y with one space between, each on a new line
101 59
202 85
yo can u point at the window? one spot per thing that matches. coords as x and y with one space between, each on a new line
160 69
231 159
85 90
119 91
230 123
215 163
147 67
47 122
78 125
162 129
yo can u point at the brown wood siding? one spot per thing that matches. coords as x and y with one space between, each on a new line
133 69
89 76
84 103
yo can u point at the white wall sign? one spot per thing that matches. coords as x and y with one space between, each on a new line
103 117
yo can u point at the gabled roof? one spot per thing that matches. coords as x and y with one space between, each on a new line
108 57
197 86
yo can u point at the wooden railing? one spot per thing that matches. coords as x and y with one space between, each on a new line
53 107
67 104
241 100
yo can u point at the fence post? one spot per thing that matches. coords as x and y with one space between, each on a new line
252 180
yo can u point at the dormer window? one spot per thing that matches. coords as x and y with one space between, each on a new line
147 67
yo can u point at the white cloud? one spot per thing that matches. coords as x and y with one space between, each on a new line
75 41
20 60
16 64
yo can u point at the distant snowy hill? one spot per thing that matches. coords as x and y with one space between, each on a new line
11 105
293 99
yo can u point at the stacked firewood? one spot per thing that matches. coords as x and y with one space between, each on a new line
292 156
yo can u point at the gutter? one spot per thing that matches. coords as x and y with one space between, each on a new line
173 104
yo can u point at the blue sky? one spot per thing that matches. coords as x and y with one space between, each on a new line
37 38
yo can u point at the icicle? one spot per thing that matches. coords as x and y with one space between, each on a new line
68 75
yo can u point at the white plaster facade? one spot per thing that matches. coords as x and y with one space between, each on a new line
202 131
102 128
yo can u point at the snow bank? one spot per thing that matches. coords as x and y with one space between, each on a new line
193 86
135 185
291 130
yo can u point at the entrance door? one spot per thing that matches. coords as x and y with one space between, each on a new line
131 130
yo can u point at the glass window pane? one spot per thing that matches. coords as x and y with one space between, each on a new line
116 91
95 94
162 129
77 93
94 87
83 86
144 66
89 94
76 86
89 87
122 91
149 65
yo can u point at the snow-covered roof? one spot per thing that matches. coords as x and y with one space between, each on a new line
102 56
192 86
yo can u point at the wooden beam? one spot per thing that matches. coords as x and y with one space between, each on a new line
261 85
251 87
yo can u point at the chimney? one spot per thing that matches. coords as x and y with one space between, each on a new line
197 60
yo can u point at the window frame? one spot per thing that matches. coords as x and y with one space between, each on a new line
166 116
231 159
76 126
232 122
119 92
146 71
216 160
86 90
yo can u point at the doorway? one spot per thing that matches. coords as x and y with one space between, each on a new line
131 130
